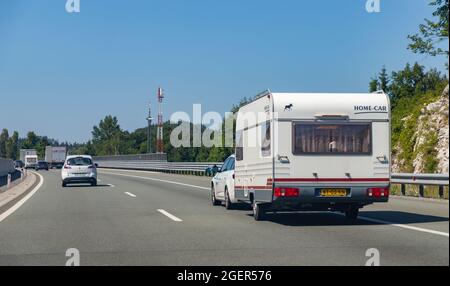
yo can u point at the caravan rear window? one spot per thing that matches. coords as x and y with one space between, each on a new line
349 138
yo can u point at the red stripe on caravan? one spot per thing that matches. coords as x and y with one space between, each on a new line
332 180
254 187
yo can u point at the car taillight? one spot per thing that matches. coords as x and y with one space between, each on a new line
286 192
67 167
378 192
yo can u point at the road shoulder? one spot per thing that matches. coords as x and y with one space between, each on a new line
12 196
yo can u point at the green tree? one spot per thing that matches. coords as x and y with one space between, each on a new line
383 78
241 103
40 145
432 33
82 149
31 141
107 136
110 139
12 147
380 82
138 141
412 81
217 154
373 85
4 137
202 155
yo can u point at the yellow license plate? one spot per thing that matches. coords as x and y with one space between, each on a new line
333 193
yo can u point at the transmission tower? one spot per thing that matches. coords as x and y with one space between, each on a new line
159 134
149 121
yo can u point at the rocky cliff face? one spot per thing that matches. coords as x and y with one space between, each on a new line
431 137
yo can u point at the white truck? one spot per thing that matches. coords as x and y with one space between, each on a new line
25 152
55 156
305 151
28 157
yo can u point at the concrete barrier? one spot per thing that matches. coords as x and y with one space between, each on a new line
6 167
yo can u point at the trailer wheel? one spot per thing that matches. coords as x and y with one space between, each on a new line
214 201
259 211
352 213
228 203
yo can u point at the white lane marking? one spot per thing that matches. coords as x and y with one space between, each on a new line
159 180
134 171
15 207
111 185
171 216
403 226
130 194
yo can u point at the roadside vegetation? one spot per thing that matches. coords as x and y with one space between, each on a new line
413 87
410 90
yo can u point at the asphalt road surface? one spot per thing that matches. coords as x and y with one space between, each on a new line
141 218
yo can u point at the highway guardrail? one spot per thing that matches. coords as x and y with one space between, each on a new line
421 180
161 166
139 157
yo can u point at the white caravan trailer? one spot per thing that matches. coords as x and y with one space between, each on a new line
307 151
30 161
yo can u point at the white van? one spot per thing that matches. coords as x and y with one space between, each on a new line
308 151
30 161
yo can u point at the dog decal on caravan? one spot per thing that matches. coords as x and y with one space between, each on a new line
288 107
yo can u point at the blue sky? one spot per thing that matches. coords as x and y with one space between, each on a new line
61 73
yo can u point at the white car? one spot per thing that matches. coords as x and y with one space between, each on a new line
222 185
79 169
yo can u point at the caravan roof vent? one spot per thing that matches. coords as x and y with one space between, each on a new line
331 117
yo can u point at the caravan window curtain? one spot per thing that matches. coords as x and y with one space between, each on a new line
239 146
342 138
265 139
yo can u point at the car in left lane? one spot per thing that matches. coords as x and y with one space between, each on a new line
79 169
41 165
19 164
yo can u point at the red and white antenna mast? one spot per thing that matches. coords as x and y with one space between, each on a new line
159 133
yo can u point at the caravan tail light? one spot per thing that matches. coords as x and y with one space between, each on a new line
378 192
286 192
